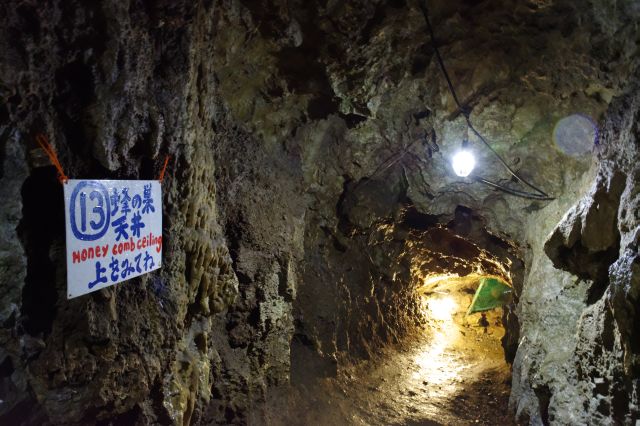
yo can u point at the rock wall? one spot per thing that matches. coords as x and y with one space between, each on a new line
310 145
578 360
117 86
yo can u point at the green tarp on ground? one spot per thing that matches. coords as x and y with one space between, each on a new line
491 293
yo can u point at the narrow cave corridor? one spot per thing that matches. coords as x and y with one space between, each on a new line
319 212
450 371
452 366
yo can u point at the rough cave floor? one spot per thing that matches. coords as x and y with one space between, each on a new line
451 372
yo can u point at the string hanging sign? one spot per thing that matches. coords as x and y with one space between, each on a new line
113 230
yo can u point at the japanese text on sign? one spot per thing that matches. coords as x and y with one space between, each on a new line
114 232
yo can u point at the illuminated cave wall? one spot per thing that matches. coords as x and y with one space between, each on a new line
578 360
296 130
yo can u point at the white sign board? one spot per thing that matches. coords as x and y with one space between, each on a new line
114 232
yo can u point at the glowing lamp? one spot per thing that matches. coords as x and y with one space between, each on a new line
463 163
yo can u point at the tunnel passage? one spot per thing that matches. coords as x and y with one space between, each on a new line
452 258
463 351
459 360
403 286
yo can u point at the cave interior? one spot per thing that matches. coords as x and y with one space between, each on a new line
341 183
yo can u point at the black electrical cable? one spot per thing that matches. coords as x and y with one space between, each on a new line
518 193
539 194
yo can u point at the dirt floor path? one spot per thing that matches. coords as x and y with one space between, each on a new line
452 373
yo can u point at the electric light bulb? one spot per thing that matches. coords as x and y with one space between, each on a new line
463 163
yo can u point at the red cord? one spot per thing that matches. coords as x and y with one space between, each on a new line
166 161
46 147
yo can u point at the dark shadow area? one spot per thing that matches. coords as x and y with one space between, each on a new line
42 224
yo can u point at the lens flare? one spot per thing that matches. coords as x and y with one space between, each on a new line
576 134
